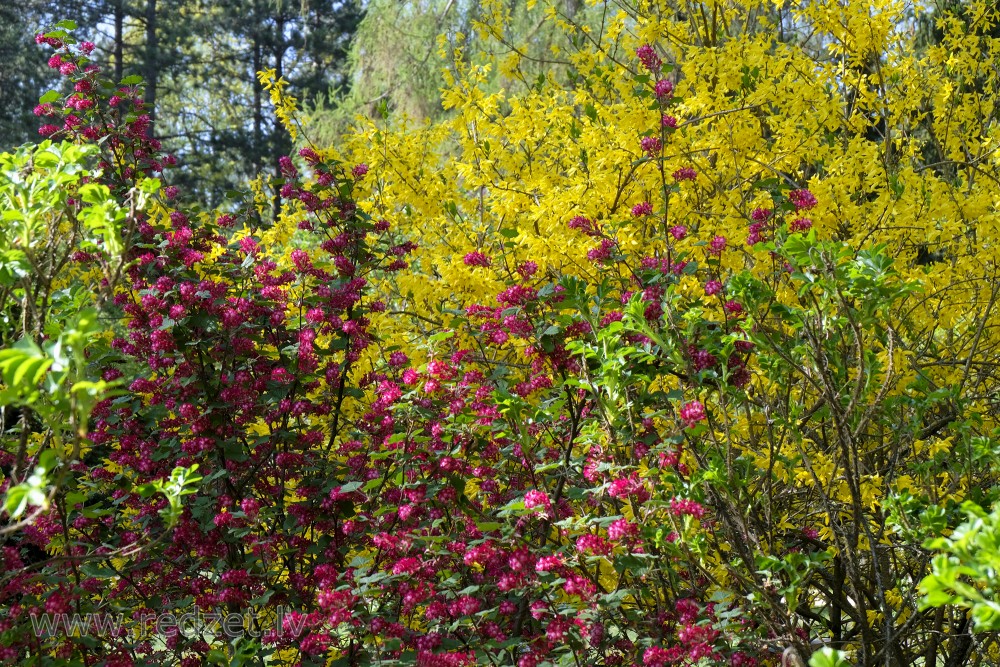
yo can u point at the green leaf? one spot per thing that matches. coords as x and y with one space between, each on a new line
828 657
440 336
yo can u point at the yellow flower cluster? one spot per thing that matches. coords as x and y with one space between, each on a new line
284 104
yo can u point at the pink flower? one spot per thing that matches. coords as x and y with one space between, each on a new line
628 486
476 259
309 155
685 174
250 507
613 316
621 529
439 368
733 307
668 121
249 245
592 543
548 563
647 56
300 258
641 209
664 89
516 295
359 171
288 169
536 498
678 232
583 224
406 565
685 506
802 199
601 253
712 287
651 146
692 412
389 392
800 225
344 266
656 656
717 245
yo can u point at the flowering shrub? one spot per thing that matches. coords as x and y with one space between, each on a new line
589 409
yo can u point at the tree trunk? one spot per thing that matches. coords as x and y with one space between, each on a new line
119 46
258 112
151 66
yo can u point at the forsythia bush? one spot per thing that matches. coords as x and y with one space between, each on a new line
673 356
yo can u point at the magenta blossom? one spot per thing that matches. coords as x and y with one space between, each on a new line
536 498
800 225
692 412
685 174
477 259
733 307
717 245
802 199
649 59
582 224
685 506
651 146
641 209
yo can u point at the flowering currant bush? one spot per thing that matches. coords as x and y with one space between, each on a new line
465 509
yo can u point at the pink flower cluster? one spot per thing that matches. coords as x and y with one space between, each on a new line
648 57
685 174
477 258
641 209
692 412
